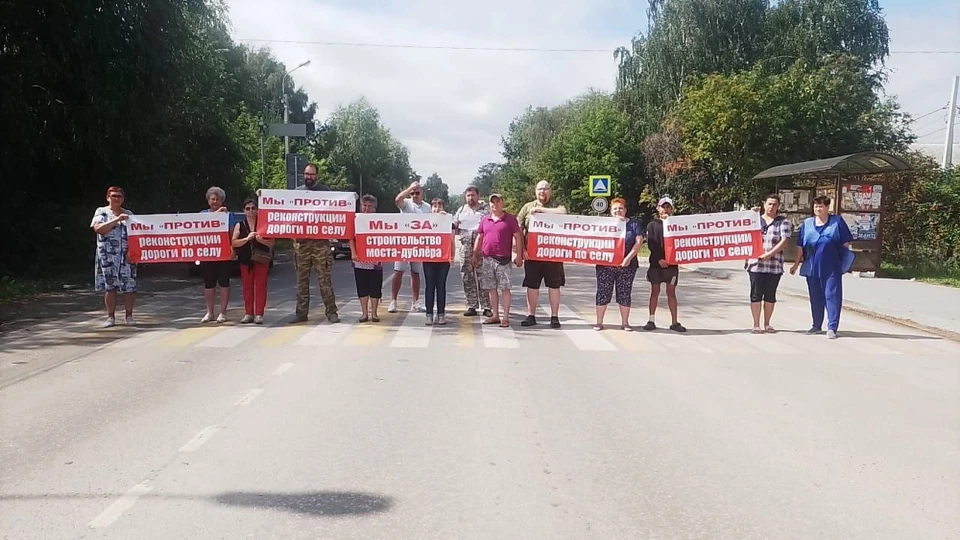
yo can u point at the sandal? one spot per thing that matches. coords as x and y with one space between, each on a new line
626 328
363 319
505 323
770 330
598 327
375 318
757 330
491 320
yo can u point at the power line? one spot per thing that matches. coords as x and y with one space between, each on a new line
917 119
489 49
932 133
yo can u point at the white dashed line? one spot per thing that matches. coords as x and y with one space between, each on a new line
199 439
283 368
251 395
121 505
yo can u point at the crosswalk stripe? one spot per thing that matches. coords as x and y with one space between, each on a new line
329 334
189 336
367 335
413 333
230 337
495 337
283 335
140 339
584 337
465 333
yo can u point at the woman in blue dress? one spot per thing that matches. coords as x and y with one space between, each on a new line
113 272
824 252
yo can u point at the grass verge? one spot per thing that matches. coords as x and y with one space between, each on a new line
12 290
939 275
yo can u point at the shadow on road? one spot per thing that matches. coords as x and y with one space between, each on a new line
317 503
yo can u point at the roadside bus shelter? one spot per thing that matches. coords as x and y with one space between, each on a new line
854 184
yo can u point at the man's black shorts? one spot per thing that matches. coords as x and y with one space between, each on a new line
763 287
657 275
549 273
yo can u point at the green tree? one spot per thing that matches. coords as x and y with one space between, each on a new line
487 177
435 187
361 145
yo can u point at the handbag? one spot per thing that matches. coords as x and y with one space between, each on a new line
259 255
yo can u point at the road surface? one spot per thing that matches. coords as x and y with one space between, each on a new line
400 431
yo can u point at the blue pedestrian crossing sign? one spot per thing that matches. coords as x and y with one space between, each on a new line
600 186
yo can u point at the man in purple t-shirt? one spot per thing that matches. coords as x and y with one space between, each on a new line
492 252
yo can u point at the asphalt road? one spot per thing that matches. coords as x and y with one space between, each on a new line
399 431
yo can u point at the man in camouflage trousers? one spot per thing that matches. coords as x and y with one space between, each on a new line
312 255
466 221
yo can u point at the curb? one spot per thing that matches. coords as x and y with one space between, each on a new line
852 306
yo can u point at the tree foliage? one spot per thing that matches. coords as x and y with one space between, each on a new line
435 188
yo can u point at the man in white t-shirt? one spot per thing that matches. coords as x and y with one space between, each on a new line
412 205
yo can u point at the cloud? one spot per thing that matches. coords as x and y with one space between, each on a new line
451 107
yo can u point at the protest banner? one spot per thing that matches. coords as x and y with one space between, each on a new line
723 236
171 238
576 239
306 215
404 237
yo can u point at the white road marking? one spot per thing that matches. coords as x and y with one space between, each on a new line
121 505
585 337
251 395
413 333
495 337
139 339
329 334
283 368
231 337
199 439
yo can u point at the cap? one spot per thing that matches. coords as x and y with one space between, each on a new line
665 200
494 196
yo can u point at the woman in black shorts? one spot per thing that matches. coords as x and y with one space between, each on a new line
217 272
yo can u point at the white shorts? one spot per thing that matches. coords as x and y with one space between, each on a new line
414 267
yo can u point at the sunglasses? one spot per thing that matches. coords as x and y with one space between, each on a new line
116 196
415 193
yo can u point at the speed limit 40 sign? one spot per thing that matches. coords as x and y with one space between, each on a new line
599 205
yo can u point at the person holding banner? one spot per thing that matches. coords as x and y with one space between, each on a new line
465 223
113 273
536 272
766 270
823 248
660 270
368 275
310 255
435 276
412 205
619 277
215 272
497 235
253 253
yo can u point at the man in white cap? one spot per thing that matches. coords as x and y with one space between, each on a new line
660 271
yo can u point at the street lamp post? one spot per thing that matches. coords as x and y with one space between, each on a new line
286 104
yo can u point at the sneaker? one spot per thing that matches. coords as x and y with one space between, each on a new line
418 306
470 312
441 320
814 331
130 321
110 322
393 307
677 327
247 319
429 320
299 318
333 318
554 322
258 319
529 321
650 326
487 313
831 334
221 318
207 317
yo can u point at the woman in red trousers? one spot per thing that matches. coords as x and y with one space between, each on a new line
254 253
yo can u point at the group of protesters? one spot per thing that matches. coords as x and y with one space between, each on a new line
489 241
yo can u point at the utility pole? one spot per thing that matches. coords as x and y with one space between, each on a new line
286 105
951 123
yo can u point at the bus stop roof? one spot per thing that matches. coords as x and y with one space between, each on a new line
849 165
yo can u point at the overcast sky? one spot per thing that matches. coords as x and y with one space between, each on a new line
451 107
